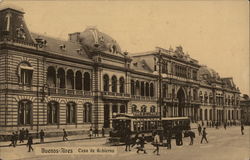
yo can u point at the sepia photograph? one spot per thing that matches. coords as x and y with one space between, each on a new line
123 79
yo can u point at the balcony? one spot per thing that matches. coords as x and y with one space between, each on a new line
115 95
143 98
70 92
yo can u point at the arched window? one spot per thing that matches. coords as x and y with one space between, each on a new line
53 112
87 113
142 89
106 83
151 89
206 114
229 102
71 112
114 108
195 97
132 87
201 97
164 90
210 114
134 108
78 80
121 83
114 84
122 109
61 77
152 109
24 112
70 79
232 114
205 97
51 77
229 118
25 72
87 82
147 89
201 116
143 108
210 98
137 86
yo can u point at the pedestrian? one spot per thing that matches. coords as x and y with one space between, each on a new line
30 142
42 134
141 143
225 126
127 139
204 135
135 139
12 140
242 129
103 132
16 138
156 143
65 135
90 132
192 136
21 136
199 129
169 137
96 132
26 133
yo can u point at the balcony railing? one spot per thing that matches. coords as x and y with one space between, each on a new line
114 94
65 91
136 97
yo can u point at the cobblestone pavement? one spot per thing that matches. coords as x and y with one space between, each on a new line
223 145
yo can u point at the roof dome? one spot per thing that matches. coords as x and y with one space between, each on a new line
93 39
205 72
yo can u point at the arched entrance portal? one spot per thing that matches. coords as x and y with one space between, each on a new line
181 102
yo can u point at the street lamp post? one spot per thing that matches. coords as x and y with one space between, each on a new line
160 83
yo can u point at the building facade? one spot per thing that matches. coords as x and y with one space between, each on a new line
48 83
245 109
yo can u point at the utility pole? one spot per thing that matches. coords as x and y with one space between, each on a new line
160 83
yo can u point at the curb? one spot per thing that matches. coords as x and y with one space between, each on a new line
54 141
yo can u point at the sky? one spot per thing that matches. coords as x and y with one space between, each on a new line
216 33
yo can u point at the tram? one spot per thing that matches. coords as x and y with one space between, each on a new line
145 123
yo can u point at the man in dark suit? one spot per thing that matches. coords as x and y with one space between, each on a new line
30 142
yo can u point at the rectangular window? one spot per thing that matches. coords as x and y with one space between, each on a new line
26 76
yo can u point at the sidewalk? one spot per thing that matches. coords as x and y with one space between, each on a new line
52 140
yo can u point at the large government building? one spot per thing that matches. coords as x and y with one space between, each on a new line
48 83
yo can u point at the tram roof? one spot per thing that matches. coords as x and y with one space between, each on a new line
175 118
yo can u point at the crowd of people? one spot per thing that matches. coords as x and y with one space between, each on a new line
140 140
24 134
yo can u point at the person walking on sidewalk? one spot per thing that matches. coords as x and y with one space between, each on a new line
225 126
42 134
65 135
96 132
26 133
90 132
242 129
127 139
103 132
16 138
141 143
30 142
21 135
12 140
156 143
199 129
204 135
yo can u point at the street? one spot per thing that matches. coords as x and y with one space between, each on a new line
223 144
